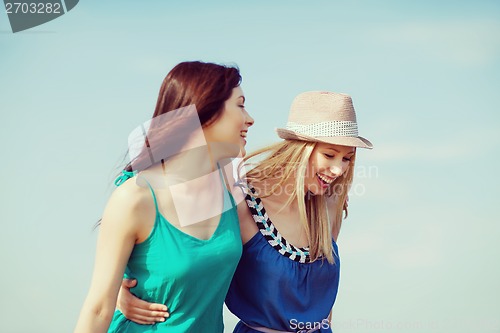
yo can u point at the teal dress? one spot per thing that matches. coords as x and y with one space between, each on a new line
190 276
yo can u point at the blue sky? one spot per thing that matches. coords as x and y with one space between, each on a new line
420 244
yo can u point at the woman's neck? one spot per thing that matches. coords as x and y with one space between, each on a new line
278 195
192 166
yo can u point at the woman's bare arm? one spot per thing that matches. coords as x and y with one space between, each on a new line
117 236
136 309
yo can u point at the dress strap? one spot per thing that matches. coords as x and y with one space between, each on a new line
269 231
124 177
129 174
154 196
228 197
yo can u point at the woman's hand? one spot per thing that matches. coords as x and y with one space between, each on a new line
136 309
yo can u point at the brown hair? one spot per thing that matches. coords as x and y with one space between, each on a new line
206 86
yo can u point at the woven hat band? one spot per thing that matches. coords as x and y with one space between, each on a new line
325 128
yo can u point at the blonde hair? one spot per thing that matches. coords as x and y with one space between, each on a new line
287 159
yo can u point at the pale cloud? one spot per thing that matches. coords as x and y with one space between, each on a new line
398 151
403 240
463 43
424 251
362 241
447 148
380 189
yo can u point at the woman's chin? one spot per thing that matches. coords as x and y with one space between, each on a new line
243 152
227 150
315 190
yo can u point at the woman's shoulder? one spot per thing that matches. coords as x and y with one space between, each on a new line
131 201
133 193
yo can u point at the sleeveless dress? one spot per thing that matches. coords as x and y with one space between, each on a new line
190 276
276 286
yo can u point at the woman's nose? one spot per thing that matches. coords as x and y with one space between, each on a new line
248 119
336 170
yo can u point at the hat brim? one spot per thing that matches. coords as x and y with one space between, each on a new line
348 141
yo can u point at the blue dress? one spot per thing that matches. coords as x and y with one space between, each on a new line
275 284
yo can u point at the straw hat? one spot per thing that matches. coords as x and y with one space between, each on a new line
322 116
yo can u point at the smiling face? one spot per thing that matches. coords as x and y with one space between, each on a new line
232 126
326 163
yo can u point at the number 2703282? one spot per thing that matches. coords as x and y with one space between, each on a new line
32 8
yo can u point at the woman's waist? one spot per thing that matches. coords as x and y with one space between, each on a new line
280 315
183 295
178 321
292 326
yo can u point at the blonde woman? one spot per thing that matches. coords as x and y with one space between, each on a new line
287 278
